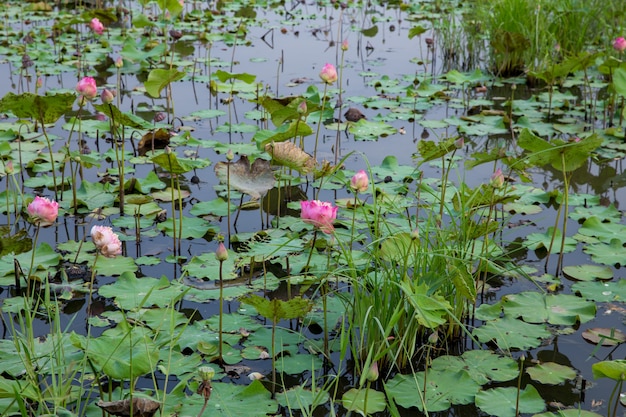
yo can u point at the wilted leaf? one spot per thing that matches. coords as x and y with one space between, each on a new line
142 407
253 179
289 155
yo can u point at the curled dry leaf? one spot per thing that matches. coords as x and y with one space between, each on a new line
142 407
254 179
155 139
604 336
292 156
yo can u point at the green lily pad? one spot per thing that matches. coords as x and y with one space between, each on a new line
558 309
123 352
542 240
299 363
229 400
503 402
551 373
368 130
602 292
483 366
605 232
193 227
365 401
509 333
612 254
443 389
588 272
131 292
300 398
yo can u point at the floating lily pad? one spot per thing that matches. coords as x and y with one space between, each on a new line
612 254
483 366
503 402
509 333
602 291
551 373
365 401
559 309
368 130
588 272
131 292
298 398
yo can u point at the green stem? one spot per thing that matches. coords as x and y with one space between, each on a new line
319 124
308 261
219 347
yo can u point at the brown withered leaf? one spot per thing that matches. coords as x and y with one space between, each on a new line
142 407
254 179
292 156
155 139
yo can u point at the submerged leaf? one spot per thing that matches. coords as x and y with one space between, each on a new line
254 179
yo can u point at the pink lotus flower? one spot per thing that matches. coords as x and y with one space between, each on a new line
97 26
43 211
319 213
107 96
360 182
221 254
344 45
106 241
87 88
619 44
497 179
328 74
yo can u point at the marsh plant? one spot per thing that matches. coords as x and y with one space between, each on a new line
372 280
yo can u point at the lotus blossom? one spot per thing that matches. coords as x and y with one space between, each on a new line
320 214
221 254
97 26
497 179
43 211
87 88
328 74
106 241
619 44
107 96
360 182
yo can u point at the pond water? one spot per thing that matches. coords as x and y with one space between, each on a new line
404 85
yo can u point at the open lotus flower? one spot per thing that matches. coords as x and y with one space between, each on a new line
43 211
106 241
320 214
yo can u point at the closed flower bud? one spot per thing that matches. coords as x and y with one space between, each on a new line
302 109
360 182
344 45
328 74
206 373
230 155
372 372
619 44
497 179
221 254
107 96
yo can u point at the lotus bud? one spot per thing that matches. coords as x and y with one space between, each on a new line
302 108
119 62
107 96
433 338
372 373
344 45
8 167
459 143
497 179
619 44
206 373
328 74
230 155
359 182
415 234
221 254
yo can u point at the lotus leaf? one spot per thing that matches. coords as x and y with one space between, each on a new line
503 402
253 179
365 401
509 333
